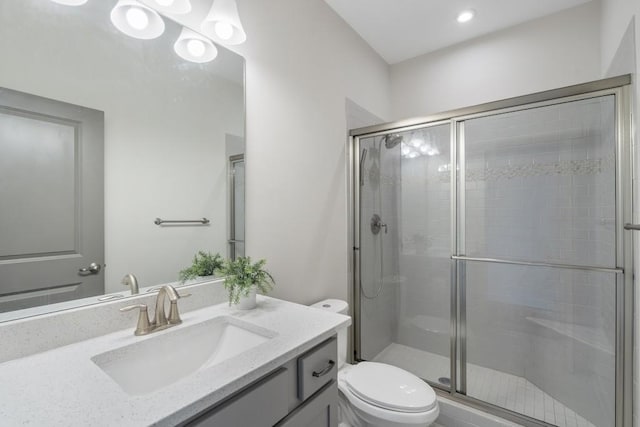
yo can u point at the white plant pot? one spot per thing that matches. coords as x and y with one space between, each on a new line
248 302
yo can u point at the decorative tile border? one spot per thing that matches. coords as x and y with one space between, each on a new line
566 168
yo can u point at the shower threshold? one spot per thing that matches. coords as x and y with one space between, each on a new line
498 388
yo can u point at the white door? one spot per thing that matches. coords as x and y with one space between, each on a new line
51 201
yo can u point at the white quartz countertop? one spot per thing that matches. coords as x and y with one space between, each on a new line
64 387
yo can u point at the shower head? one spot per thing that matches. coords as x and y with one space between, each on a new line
391 140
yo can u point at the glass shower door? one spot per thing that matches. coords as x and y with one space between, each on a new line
539 268
405 251
490 252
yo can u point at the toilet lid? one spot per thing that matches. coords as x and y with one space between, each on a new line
390 387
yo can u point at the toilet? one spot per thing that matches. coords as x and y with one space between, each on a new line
376 394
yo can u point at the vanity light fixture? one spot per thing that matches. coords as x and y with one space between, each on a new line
223 23
137 20
70 2
193 47
466 16
177 7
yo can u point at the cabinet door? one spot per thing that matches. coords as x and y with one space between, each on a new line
321 410
261 405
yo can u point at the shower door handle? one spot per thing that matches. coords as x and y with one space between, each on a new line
629 226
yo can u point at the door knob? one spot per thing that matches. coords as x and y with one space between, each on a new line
92 269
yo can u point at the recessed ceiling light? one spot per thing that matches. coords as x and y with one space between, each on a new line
466 16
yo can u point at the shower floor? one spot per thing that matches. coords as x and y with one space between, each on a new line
495 387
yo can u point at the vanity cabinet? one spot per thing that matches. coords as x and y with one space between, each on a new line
319 411
302 392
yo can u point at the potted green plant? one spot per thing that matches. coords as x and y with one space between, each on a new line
204 264
243 278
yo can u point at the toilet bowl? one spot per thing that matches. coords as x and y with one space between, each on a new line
376 394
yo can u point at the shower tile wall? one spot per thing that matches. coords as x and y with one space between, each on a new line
379 195
545 176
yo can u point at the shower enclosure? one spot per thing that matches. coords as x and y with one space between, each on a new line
236 206
490 257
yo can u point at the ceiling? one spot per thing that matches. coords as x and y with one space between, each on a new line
402 29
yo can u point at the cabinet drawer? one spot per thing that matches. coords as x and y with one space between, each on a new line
317 367
262 404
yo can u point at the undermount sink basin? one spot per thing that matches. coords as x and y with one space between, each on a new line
160 360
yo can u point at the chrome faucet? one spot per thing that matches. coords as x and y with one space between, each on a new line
131 281
160 320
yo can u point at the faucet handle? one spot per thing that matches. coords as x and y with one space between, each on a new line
144 326
133 307
174 315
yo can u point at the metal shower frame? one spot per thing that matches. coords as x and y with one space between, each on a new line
624 269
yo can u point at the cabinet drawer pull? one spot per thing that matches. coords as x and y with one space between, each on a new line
325 371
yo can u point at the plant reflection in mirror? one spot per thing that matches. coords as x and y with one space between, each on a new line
204 264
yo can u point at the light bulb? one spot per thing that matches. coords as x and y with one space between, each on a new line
174 7
413 155
224 30
137 18
193 47
466 16
417 141
424 149
196 47
405 150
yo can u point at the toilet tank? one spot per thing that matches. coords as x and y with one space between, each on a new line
340 307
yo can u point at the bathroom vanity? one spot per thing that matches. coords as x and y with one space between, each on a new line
274 365
295 394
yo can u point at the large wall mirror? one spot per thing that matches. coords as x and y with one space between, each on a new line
100 135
